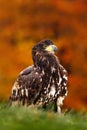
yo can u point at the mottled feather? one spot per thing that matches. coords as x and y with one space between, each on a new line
43 82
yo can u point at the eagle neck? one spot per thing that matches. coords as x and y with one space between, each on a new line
44 61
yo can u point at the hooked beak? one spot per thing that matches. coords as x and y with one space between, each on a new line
51 48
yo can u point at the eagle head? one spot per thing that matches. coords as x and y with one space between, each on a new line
45 45
42 49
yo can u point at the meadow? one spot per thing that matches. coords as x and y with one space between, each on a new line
23 23
23 118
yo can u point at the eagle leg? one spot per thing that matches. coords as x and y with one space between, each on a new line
59 110
59 103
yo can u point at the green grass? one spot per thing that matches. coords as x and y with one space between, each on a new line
21 118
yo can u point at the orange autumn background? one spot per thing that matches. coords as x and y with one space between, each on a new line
25 22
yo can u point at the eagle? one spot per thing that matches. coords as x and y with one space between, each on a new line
43 82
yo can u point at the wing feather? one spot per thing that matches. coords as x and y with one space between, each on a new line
27 70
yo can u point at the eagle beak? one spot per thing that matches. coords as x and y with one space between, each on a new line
51 48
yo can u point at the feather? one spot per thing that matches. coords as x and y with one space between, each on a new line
43 82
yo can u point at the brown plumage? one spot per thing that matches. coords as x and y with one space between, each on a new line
43 82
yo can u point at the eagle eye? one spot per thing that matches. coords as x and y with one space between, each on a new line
44 46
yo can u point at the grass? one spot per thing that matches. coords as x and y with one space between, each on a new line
21 118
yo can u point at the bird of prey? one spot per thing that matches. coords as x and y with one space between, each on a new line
43 82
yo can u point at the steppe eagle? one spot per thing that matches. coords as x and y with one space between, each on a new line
43 82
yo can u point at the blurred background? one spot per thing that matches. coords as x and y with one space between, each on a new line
23 23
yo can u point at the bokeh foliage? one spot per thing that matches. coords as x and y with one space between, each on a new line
25 22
